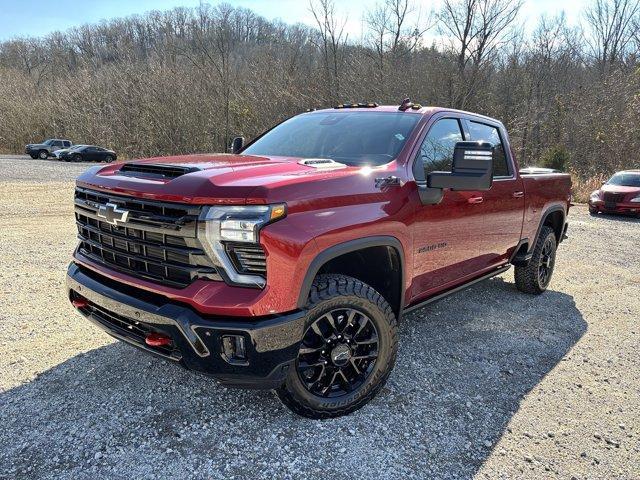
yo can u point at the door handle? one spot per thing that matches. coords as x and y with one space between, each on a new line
518 194
475 200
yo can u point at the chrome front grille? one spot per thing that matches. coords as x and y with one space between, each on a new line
611 197
157 242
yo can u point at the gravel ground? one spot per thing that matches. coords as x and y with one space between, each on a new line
490 383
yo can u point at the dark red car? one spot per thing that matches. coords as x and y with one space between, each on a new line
289 264
620 194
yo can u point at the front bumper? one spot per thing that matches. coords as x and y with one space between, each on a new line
624 208
129 314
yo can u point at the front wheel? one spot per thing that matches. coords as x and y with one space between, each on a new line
593 210
347 352
77 158
535 276
43 154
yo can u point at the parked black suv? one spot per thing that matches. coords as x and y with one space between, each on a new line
45 149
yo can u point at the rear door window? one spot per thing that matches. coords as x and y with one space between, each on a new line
488 133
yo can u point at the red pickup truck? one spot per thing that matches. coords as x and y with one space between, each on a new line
288 264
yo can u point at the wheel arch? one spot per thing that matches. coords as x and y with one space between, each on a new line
348 252
554 217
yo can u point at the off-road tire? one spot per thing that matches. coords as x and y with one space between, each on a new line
43 154
527 276
330 292
593 210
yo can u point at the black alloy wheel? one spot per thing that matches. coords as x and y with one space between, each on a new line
534 277
338 352
547 260
347 351
77 157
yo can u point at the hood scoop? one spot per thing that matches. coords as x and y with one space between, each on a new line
155 170
321 163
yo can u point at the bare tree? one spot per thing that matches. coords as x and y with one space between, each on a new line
477 29
612 27
332 41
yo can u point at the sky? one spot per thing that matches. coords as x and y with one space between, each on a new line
40 17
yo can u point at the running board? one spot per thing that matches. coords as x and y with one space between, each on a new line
456 289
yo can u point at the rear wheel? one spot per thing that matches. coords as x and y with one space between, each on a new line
535 276
347 352
43 154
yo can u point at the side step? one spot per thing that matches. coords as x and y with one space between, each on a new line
456 289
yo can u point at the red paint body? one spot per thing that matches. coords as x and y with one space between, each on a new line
326 208
617 198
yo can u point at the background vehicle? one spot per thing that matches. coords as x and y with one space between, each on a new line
89 153
537 170
45 149
287 266
58 153
620 194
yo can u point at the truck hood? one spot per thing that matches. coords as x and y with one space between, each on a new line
232 179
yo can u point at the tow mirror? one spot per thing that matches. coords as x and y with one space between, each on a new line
237 144
472 168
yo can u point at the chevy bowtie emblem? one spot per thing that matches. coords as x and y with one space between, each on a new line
112 214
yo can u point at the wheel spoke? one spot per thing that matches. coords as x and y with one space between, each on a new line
304 350
364 322
367 341
331 320
355 367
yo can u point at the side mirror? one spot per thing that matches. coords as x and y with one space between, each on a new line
237 144
472 168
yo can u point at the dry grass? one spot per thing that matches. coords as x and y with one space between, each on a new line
581 188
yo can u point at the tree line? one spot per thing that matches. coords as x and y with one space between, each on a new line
189 79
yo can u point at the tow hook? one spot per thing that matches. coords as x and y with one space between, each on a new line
157 340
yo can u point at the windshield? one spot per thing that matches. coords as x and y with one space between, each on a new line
353 138
47 142
625 180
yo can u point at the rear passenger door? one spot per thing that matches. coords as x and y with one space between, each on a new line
504 203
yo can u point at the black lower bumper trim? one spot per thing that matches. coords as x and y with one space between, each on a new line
271 343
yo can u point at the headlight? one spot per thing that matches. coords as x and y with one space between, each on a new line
595 195
236 224
636 199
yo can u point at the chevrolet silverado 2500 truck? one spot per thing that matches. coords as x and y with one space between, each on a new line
288 264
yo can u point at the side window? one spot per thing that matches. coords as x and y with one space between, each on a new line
57 143
487 133
436 151
66 143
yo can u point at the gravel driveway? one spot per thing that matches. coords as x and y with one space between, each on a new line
490 383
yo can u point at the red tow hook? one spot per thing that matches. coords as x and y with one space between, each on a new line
157 340
79 302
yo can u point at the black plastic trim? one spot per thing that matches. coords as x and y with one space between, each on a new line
543 218
348 247
440 296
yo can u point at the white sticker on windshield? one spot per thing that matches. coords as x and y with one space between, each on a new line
399 136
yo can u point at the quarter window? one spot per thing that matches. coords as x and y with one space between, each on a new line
436 151
487 133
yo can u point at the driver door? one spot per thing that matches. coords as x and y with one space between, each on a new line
446 235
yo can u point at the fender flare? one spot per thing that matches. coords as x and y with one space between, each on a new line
348 247
543 219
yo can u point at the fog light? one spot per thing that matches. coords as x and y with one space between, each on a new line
233 348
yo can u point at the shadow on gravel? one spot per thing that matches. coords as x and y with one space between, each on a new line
464 366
